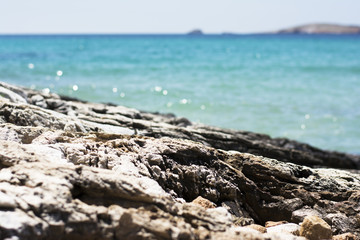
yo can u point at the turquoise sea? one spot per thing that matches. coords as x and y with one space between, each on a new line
303 87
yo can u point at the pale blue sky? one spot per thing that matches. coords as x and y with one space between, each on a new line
170 16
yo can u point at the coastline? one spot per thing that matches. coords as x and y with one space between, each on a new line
72 169
131 71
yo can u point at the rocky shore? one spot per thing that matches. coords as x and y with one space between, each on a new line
71 169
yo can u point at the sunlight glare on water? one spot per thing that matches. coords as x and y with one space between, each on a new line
301 87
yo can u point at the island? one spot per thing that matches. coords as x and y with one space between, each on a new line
195 32
321 28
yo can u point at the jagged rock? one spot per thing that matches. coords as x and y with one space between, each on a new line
314 228
77 170
340 222
85 117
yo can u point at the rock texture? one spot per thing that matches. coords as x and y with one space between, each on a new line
74 115
314 228
292 228
76 170
322 29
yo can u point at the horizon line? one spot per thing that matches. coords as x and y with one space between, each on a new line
120 33
190 32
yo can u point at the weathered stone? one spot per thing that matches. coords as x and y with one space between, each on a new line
291 228
83 116
340 222
203 202
243 221
236 233
38 100
273 224
299 215
10 95
345 236
6 201
75 170
257 227
314 228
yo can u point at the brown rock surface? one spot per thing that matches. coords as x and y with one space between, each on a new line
76 170
273 224
314 228
257 227
203 202
345 236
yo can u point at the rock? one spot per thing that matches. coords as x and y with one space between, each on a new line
203 202
299 215
345 236
12 96
38 100
340 222
237 210
243 221
257 227
291 228
322 29
273 224
79 170
236 233
82 116
314 228
6 201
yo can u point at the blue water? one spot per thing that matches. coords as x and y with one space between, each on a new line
301 87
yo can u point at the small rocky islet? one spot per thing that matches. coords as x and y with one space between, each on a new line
71 169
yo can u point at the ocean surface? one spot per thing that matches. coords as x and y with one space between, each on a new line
302 87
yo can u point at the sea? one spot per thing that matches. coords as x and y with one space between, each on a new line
302 87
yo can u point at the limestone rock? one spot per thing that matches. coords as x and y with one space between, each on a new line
247 233
314 228
299 215
10 95
203 202
77 170
345 236
76 115
257 227
291 228
269 224
340 222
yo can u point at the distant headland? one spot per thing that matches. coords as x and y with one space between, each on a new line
321 28
312 28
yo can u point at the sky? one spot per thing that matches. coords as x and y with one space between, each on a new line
170 16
